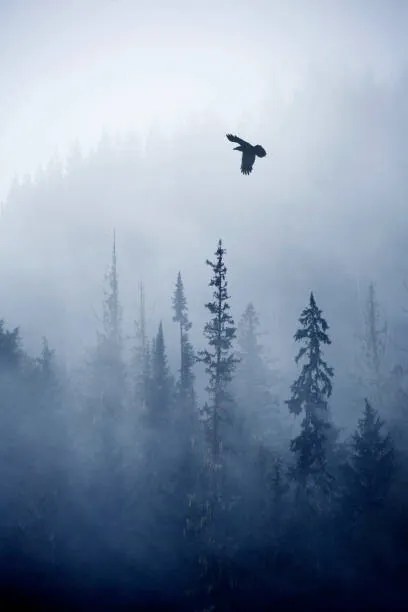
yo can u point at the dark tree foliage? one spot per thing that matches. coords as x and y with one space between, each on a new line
219 359
371 468
212 509
10 350
187 358
310 393
161 384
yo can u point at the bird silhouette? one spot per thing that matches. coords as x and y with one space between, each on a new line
249 152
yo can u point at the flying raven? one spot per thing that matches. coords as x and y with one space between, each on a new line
249 152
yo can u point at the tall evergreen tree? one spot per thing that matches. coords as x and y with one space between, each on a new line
254 380
46 360
186 381
109 363
219 359
210 513
161 388
374 344
10 347
48 380
106 398
141 356
310 393
371 468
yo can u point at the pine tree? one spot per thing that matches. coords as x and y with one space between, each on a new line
10 347
46 360
219 359
371 468
109 364
161 388
48 380
310 393
141 357
106 399
374 342
186 381
254 378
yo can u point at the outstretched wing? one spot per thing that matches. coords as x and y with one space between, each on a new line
239 141
248 158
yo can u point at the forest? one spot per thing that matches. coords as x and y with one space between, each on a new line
168 452
193 473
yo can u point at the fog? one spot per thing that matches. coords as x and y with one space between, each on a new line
113 120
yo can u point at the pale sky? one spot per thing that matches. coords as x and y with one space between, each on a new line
72 68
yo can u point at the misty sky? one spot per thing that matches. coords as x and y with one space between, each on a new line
72 68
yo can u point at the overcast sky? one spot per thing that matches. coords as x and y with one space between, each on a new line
70 69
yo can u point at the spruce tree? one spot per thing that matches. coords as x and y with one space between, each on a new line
161 387
186 381
109 365
10 347
141 357
374 344
370 471
219 358
107 396
46 361
210 513
255 379
310 393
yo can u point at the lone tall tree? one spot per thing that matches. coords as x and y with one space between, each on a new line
109 366
107 394
310 393
186 380
219 359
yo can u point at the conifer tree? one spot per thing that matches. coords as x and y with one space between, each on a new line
374 343
186 381
107 393
109 364
46 360
10 347
310 393
371 468
219 359
49 385
254 378
161 391
141 356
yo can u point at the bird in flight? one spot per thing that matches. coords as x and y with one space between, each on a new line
249 152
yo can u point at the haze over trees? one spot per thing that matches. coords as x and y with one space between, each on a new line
189 471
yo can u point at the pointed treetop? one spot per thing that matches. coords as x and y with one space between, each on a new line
180 305
314 383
